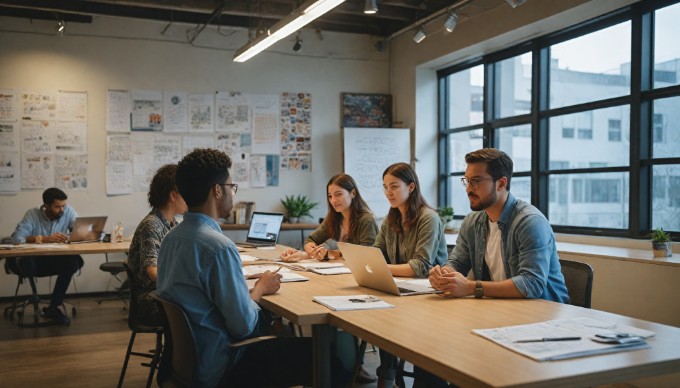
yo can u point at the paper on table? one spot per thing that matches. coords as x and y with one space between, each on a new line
585 328
286 274
352 302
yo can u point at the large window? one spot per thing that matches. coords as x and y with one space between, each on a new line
601 154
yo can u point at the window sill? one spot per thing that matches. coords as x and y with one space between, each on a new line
614 248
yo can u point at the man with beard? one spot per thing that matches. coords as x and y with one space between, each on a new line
49 223
507 243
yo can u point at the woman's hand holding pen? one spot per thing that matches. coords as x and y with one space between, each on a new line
319 252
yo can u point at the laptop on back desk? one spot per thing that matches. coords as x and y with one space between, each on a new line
264 230
87 229
370 270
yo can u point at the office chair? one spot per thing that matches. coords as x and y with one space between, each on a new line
115 268
137 327
578 277
178 361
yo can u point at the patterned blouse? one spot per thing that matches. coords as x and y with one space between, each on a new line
144 252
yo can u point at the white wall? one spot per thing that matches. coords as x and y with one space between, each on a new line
129 54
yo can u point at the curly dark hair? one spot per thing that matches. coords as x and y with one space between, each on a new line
200 170
52 194
498 163
357 208
162 184
416 201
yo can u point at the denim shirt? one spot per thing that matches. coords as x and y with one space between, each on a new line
36 223
199 268
527 247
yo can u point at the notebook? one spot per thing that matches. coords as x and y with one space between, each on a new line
370 270
264 230
87 229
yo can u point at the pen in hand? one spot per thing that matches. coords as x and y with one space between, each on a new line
548 339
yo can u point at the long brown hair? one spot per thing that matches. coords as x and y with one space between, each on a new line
405 173
357 208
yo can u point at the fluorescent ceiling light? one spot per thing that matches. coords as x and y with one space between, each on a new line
286 26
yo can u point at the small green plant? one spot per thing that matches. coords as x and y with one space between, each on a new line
298 206
445 213
659 236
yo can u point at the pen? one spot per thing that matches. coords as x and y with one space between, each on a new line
548 339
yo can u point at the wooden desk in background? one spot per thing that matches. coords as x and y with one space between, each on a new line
435 333
284 227
66 249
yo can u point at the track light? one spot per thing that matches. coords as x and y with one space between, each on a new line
451 22
515 3
371 6
61 26
419 35
298 44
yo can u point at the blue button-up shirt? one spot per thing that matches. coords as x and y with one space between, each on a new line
528 250
199 268
36 223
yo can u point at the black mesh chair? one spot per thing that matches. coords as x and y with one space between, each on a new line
578 277
137 327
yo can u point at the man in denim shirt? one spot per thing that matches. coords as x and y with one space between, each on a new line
507 243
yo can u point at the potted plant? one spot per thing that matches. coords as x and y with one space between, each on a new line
661 243
297 206
446 215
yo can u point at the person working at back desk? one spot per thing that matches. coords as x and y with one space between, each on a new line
49 223
199 268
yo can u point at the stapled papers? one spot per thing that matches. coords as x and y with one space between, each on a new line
352 302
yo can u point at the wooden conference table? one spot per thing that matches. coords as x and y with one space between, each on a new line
435 333
65 249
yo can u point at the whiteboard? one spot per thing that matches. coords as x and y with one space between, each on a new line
367 153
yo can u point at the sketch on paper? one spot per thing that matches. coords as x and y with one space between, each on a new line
118 107
201 112
258 170
366 110
9 106
176 112
38 106
72 106
147 111
9 136
37 171
118 148
37 136
239 169
265 123
10 174
233 112
71 171
71 137
118 178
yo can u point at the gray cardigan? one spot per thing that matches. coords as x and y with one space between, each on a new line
425 246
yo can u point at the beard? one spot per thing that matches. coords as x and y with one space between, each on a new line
482 205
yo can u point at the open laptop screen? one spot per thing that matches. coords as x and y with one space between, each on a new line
265 227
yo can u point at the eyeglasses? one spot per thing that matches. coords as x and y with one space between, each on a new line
474 182
233 186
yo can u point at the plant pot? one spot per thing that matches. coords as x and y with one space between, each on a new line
293 220
662 249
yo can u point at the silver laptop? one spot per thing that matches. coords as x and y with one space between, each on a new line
370 270
264 230
87 229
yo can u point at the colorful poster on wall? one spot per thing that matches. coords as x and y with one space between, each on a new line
296 131
366 110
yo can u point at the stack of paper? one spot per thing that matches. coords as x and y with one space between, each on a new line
251 271
352 302
566 338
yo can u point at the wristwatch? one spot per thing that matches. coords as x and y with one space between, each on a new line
479 290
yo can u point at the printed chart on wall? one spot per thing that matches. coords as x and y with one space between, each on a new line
367 153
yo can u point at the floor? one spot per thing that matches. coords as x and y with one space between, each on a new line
88 353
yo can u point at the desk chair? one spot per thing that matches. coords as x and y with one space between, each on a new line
578 277
115 268
137 327
178 361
